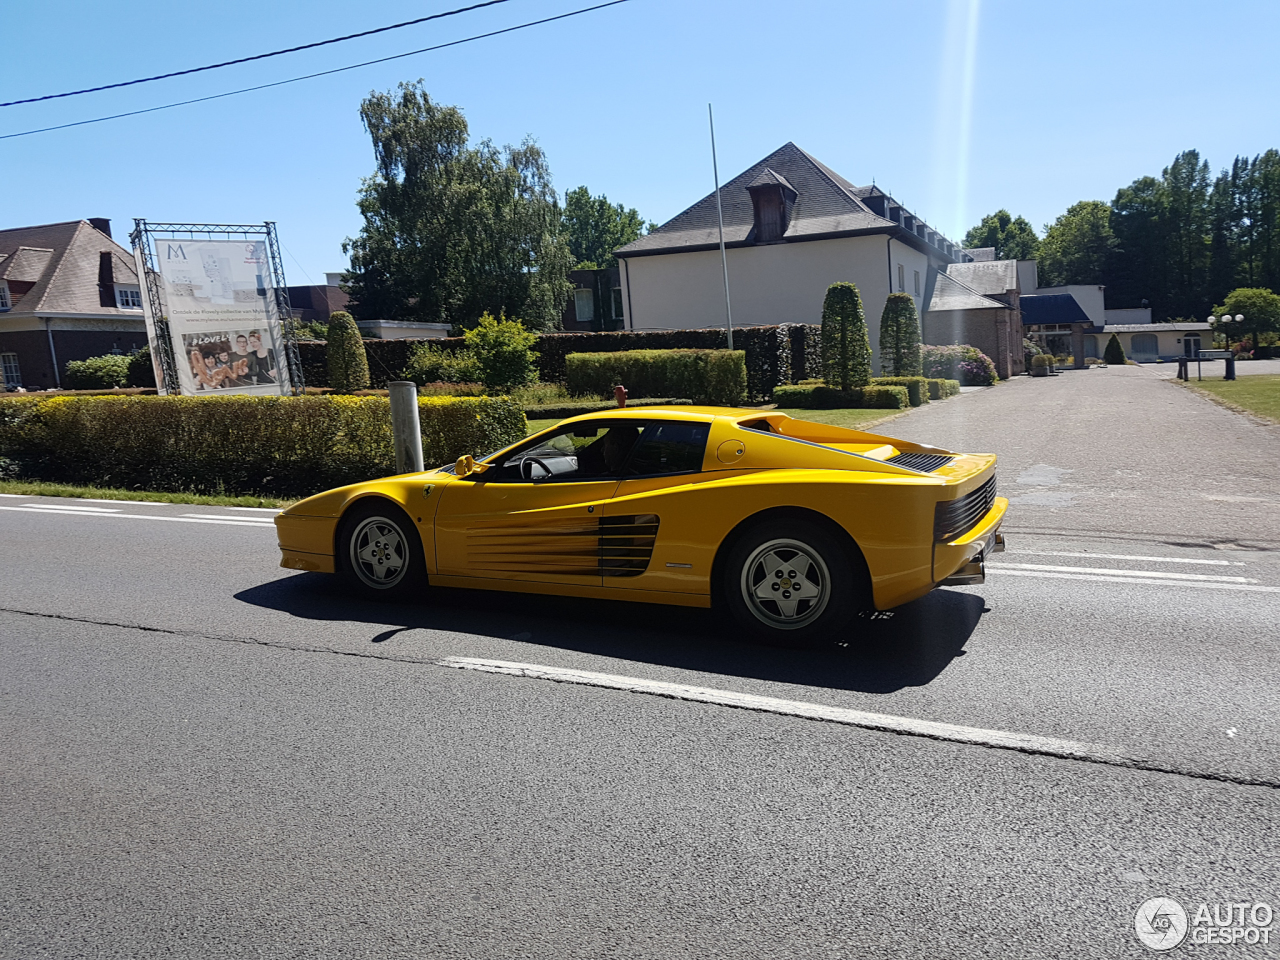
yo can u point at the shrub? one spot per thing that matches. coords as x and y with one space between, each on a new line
348 364
430 363
97 373
900 337
937 389
822 397
446 390
1042 360
953 387
846 351
917 387
1030 349
717 377
1114 353
502 348
142 372
961 362
280 446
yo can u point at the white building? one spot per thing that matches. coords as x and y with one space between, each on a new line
792 227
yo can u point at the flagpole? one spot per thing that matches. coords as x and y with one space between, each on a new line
724 259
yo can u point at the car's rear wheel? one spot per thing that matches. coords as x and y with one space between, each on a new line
380 553
793 583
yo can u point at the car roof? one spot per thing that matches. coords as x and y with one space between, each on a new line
679 412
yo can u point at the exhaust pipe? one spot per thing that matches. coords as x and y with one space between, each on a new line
971 574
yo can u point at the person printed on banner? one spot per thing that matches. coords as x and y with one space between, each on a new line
262 360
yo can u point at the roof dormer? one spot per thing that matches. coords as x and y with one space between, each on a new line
772 200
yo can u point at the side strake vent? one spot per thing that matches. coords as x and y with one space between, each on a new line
925 462
626 544
951 518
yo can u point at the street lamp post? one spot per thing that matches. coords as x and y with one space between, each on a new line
1230 361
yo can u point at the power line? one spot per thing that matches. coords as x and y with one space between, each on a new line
323 73
260 56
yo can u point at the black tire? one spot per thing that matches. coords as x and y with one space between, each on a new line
379 553
792 583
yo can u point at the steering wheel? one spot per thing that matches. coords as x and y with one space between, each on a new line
533 460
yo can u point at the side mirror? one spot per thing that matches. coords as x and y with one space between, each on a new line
467 465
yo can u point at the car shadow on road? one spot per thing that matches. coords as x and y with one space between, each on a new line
907 647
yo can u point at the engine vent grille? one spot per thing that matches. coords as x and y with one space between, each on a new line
626 544
925 462
951 518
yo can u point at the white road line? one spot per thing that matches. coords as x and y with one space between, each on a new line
1149 581
1122 556
22 496
67 508
795 708
1161 574
131 503
264 509
134 516
261 521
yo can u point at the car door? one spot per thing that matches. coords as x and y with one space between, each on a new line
651 537
535 516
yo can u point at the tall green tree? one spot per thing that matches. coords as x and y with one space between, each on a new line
846 350
1186 184
1079 246
900 337
594 228
1013 237
1140 268
451 230
345 354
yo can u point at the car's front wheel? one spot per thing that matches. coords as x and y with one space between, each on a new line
380 553
793 583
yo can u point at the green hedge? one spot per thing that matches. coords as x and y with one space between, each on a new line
717 377
280 446
787 353
575 408
917 387
819 397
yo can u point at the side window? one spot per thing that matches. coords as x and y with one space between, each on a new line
669 447
593 450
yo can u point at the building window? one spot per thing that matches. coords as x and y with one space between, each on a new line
902 279
584 305
129 298
4 296
12 375
617 303
917 283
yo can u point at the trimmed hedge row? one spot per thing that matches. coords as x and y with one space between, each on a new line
280 446
787 353
575 408
820 397
716 377
917 387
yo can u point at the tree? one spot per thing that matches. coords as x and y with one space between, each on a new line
344 353
1186 185
502 348
1114 352
1079 246
594 228
846 351
1013 237
900 337
1259 307
453 231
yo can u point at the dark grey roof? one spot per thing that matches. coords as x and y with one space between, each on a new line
981 253
62 260
988 277
826 204
1052 308
769 177
951 293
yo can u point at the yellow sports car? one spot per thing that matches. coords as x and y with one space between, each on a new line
794 526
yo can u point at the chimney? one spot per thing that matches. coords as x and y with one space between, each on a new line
106 280
101 224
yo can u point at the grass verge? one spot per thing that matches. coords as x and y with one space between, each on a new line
37 488
1257 394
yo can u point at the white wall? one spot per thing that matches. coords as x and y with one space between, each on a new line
1028 277
1128 315
773 283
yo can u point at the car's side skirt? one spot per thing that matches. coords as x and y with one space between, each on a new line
573 590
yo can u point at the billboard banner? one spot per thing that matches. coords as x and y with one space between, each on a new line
225 329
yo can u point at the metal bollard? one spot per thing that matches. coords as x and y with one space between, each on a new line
406 430
1231 369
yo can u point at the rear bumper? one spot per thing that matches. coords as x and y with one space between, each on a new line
962 561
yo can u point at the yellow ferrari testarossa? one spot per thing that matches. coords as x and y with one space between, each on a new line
794 526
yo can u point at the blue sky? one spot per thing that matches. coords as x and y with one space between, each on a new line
958 107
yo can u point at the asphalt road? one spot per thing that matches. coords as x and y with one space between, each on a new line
204 755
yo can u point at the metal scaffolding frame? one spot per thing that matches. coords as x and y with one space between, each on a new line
143 237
